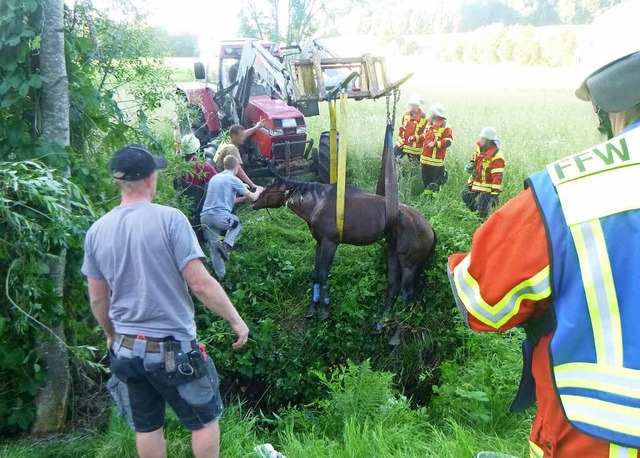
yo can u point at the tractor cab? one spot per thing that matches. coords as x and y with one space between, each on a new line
229 60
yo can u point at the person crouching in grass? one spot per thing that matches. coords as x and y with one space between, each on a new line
223 192
486 169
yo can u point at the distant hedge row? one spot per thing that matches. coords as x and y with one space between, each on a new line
525 45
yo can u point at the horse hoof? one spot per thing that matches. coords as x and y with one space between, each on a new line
311 311
323 315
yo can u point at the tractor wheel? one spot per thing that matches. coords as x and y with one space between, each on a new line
323 172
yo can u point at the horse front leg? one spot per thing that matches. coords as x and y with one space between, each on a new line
393 284
327 253
315 294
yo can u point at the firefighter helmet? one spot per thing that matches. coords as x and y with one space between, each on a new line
438 110
610 59
490 133
189 145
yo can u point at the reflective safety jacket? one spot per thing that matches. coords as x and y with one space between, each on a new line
489 170
582 348
412 126
442 137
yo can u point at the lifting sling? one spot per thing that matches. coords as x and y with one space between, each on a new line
333 142
388 177
342 165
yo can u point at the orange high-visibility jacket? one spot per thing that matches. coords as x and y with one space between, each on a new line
412 125
508 249
489 170
442 137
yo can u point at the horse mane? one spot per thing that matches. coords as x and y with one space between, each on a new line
301 186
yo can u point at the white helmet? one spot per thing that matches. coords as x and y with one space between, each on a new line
415 100
438 110
490 133
189 145
610 59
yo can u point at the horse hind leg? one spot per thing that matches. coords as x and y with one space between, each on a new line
393 284
409 276
315 294
327 253
409 280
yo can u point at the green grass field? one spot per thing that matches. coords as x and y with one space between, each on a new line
362 413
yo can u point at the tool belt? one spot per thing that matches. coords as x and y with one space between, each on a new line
180 365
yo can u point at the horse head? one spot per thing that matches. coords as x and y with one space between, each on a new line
274 195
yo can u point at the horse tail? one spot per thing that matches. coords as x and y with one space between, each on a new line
431 257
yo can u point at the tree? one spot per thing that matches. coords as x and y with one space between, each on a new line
53 397
301 16
261 19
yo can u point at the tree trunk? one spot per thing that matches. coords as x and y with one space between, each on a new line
53 397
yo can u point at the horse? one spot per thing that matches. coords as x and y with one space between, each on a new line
411 240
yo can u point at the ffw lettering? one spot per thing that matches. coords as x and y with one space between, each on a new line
611 150
587 161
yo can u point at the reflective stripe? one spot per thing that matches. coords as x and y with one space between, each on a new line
411 149
535 288
535 451
602 414
430 161
498 170
607 379
599 288
617 451
481 187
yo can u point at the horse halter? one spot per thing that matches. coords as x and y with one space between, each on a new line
289 195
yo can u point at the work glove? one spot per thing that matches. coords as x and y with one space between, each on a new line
470 168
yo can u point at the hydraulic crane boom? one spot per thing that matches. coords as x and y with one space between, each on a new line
315 75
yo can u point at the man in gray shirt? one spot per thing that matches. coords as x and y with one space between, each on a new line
223 192
140 260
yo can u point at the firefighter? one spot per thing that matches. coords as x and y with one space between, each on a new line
412 127
437 137
561 260
486 169
194 183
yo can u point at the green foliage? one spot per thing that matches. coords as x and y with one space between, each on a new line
363 415
182 45
524 45
262 19
40 214
390 20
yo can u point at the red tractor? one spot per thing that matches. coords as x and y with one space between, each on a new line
259 80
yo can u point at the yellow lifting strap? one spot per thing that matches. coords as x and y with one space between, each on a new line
333 143
342 165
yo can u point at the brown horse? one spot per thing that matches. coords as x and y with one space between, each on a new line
411 240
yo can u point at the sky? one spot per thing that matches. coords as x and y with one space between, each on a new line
210 20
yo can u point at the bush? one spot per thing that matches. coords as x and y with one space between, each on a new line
41 213
524 45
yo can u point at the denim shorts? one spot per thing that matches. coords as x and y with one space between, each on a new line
141 389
